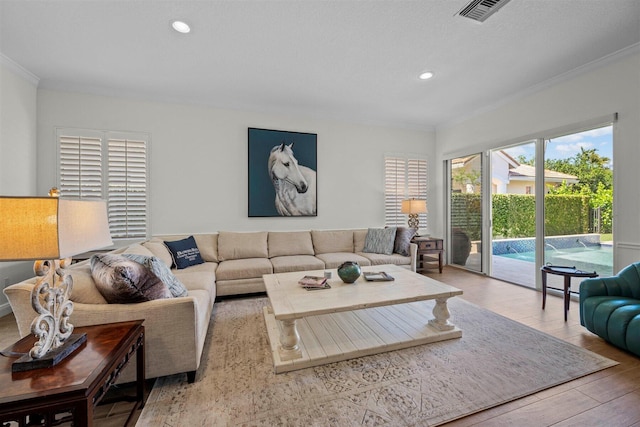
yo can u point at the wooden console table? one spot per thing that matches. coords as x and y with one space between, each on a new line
70 390
430 252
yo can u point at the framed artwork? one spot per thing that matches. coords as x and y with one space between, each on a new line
282 173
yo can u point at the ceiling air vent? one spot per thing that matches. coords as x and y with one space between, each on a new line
480 10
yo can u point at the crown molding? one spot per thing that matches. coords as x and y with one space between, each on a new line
19 69
590 66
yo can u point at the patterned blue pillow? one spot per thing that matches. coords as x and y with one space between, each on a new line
185 252
160 269
380 240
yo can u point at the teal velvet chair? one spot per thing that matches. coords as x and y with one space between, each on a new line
610 307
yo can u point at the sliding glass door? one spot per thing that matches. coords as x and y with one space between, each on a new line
465 213
549 201
578 202
513 213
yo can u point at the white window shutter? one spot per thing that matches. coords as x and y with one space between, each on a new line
80 167
405 176
106 165
394 188
127 188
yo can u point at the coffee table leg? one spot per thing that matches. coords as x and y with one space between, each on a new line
289 340
441 314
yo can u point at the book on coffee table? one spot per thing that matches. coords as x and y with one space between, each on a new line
379 276
314 282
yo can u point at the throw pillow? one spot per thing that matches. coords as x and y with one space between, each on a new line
123 281
185 252
380 240
402 244
161 270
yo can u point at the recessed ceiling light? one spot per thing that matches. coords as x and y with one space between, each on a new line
426 75
181 27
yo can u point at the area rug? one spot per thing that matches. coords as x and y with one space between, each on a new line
496 360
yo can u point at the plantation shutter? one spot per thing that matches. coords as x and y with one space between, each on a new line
394 186
417 183
111 166
127 188
405 176
80 167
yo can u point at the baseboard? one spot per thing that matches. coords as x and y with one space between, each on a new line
5 309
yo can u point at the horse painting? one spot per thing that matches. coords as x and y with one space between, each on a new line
295 184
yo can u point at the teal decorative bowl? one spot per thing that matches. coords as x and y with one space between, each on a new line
349 271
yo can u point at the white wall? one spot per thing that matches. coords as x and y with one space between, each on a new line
602 89
199 161
18 90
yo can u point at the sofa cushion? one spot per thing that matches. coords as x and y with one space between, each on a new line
84 289
247 268
284 264
161 270
184 253
201 276
157 247
287 243
335 259
380 240
328 241
379 259
359 237
402 244
136 249
232 246
123 281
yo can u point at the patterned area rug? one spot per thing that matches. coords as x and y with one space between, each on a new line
496 360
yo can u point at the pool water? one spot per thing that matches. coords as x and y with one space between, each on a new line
593 258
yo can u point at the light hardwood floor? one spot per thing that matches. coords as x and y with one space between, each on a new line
607 398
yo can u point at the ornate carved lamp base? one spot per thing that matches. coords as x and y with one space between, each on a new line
52 358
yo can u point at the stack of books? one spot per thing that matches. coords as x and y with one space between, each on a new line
314 282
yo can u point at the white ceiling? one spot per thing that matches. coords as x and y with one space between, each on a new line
351 60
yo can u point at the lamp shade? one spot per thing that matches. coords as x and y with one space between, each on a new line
35 228
413 206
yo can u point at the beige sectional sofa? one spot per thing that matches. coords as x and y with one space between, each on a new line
233 264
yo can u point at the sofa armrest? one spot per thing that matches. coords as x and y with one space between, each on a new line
413 253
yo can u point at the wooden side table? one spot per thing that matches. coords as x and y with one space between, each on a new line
71 389
568 273
430 252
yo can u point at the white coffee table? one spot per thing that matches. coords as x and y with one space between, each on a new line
311 328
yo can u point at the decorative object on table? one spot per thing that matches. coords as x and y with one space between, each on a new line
413 207
53 229
349 271
281 183
380 276
314 282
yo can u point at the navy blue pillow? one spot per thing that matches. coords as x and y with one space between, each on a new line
185 252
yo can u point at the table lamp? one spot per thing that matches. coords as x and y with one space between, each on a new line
413 207
49 230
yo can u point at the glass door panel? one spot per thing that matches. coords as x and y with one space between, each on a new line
578 203
465 216
513 214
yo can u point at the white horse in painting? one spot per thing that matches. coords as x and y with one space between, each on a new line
295 184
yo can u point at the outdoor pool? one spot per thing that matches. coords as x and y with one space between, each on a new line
592 258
